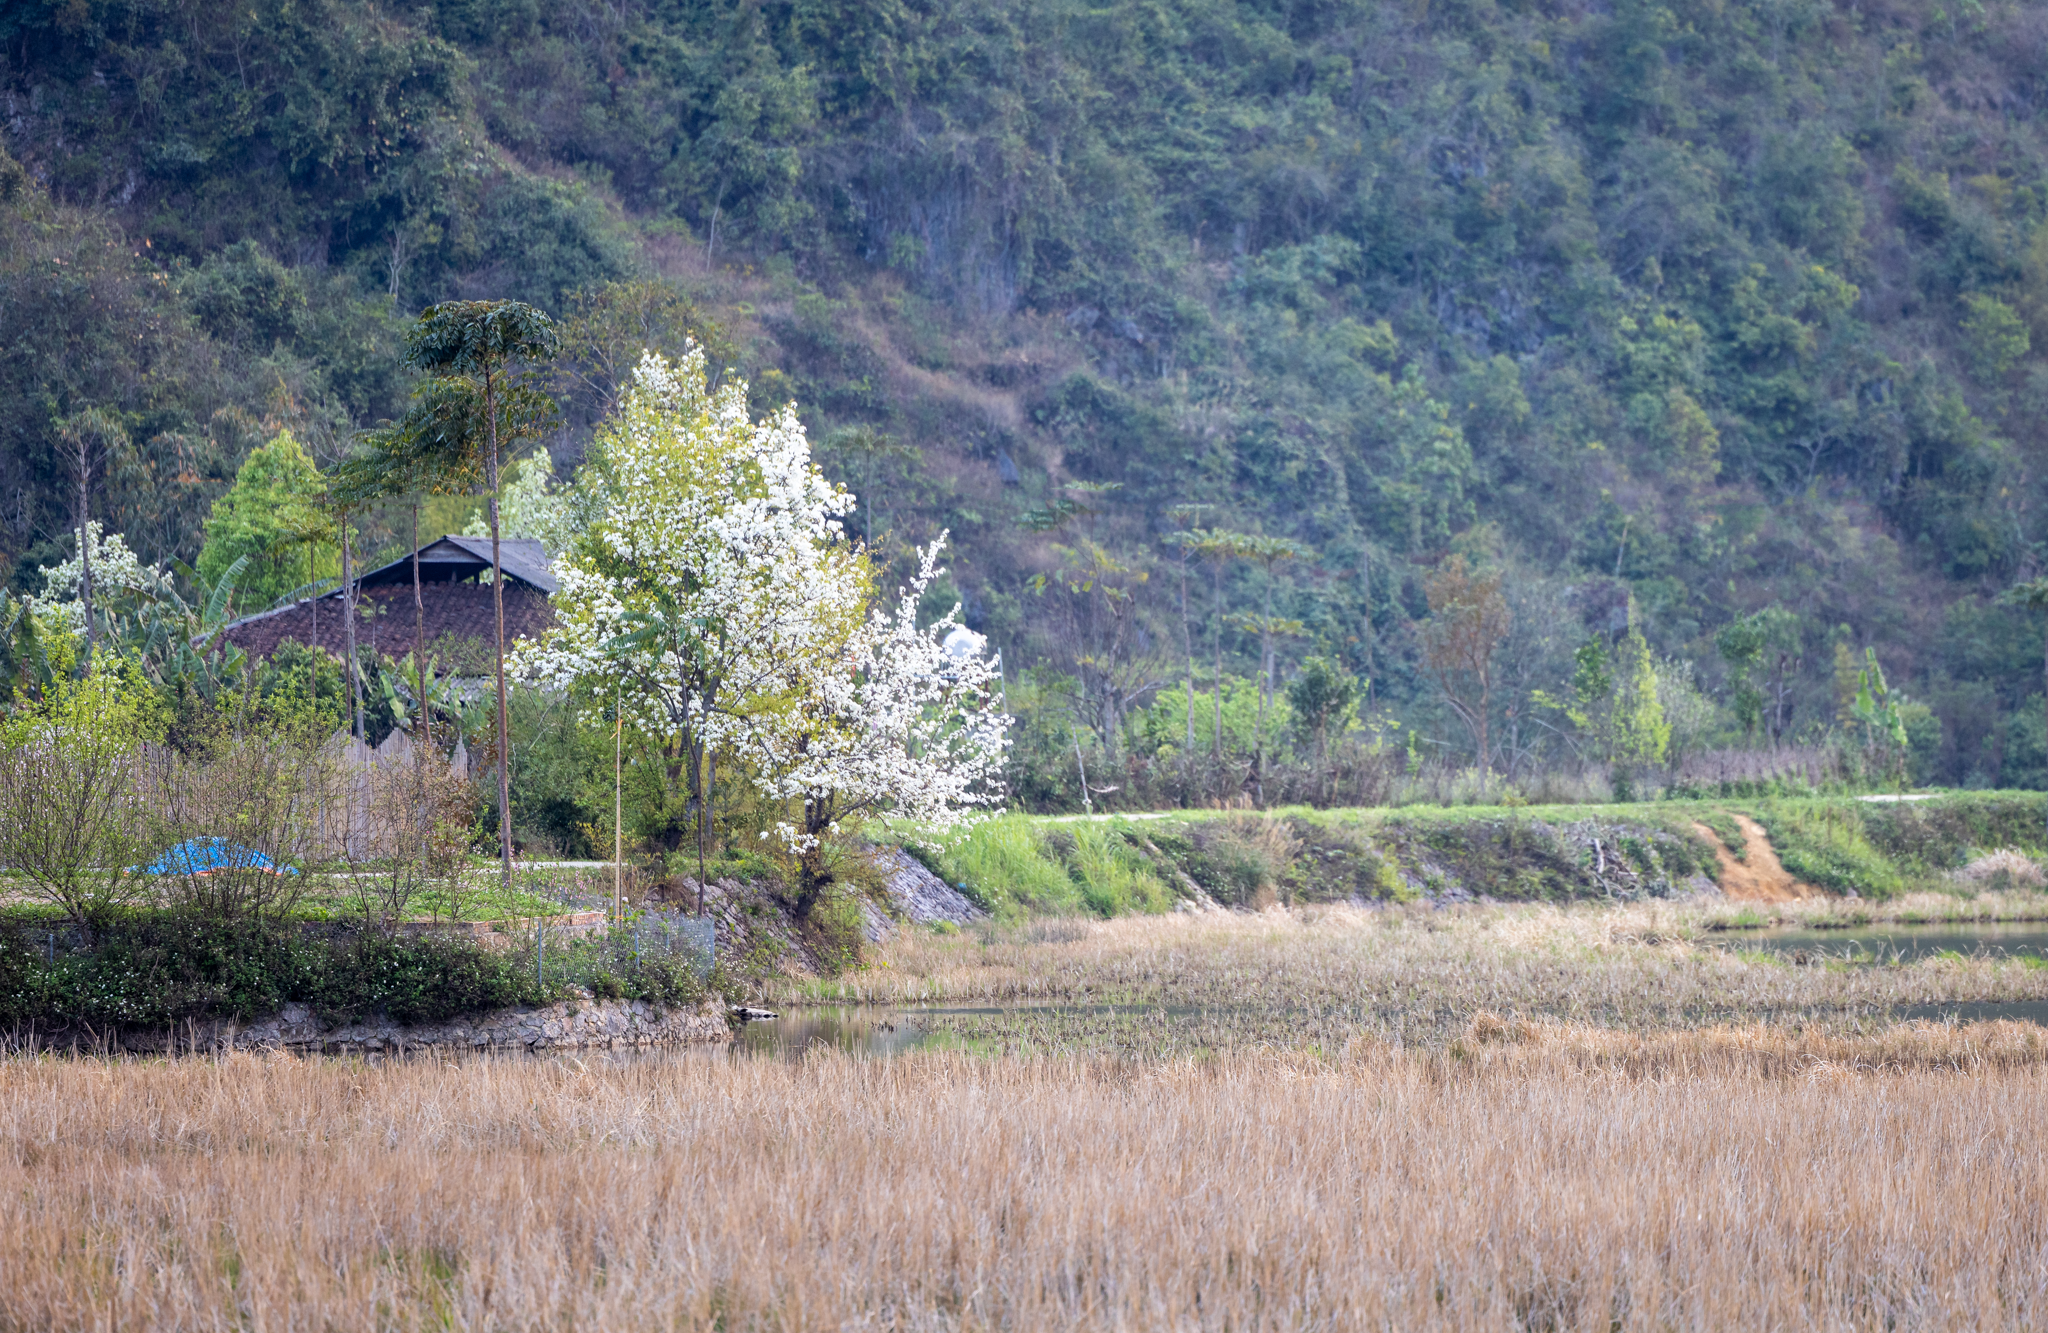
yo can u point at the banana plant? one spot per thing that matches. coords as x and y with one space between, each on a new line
398 684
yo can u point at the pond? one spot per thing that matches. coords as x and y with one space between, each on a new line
1894 943
1051 1026
859 1030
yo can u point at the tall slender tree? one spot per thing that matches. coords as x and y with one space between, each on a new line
1185 542
89 437
404 458
477 350
1269 553
1218 547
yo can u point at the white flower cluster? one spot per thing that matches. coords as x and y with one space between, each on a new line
714 595
116 571
904 727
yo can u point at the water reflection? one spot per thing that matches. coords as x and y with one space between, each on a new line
1894 943
854 1031
858 1030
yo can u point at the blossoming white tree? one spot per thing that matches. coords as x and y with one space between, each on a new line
714 600
904 721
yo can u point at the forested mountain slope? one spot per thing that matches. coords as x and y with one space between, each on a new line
1721 306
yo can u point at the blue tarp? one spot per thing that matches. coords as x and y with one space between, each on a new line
204 856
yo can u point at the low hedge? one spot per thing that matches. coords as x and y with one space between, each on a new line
160 969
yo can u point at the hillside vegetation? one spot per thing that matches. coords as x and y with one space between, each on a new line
1018 865
1662 315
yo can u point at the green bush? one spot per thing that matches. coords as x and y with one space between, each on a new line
159 969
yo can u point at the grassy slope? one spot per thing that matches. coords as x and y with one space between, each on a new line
1019 864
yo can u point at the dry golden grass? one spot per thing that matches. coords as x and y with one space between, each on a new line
1418 974
1527 1176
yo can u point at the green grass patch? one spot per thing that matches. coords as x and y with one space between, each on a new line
1002 865
1742 918
1107 866
1727 830
1018 864
1825 844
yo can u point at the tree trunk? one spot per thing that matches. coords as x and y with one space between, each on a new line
1265 695
812 877
1485 751
704 821
1216 683
312 632
619 807
419 636
348 631
1187 637
85 546
498 608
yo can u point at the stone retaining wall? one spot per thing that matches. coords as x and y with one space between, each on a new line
579 1024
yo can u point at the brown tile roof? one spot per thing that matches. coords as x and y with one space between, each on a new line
458 618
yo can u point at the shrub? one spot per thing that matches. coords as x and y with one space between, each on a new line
1240 859
159 969
75 771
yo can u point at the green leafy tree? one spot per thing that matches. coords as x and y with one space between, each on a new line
2032 597
264 518
1430 465
1322 695
1877 710
1763 652
1641 734
1994 335
1617 707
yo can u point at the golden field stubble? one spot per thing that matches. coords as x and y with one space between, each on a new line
1527 1176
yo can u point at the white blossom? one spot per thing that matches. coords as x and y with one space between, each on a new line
908 723
532 506
715 596
116 570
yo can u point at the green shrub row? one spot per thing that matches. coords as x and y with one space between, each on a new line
160 969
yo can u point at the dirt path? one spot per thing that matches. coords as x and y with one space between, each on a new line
1759 877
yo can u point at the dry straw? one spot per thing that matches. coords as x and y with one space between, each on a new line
1525 1177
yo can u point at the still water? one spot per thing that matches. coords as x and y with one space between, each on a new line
893 1031
860 1030
1895 943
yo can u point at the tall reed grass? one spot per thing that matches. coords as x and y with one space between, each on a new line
1538 1179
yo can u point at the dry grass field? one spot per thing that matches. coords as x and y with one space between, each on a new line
1528 1176
1319 977
1492 1118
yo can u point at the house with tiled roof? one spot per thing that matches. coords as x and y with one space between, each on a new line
455 603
